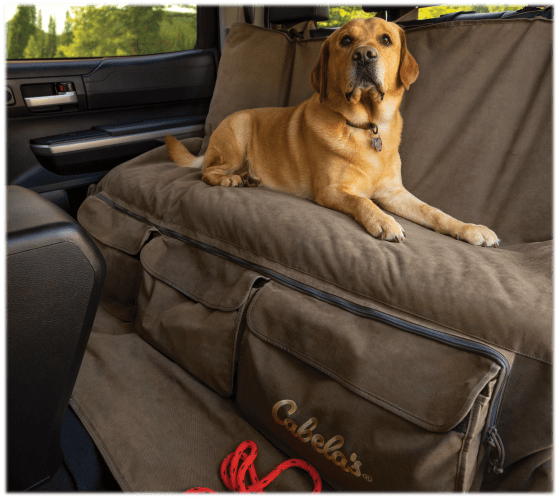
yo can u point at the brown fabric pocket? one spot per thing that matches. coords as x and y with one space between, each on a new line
120 239
372 407
191 308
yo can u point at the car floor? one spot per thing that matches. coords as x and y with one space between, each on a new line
83 468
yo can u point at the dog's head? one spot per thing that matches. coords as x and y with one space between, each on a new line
364 56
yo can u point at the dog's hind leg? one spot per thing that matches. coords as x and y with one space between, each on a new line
218 175
225 158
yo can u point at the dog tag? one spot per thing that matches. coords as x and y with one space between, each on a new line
377 144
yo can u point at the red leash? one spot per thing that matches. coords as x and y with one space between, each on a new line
233 472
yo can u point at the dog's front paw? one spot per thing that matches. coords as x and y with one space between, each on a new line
231 180
386 229
478 235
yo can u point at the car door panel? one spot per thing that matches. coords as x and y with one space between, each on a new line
159 78
129 102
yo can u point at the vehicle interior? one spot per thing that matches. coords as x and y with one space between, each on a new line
155 323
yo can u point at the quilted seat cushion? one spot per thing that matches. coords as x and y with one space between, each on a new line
500 296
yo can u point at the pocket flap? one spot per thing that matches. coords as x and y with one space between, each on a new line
112 227
429 383
201 276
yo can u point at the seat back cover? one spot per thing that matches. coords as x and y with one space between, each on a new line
387 366
465 149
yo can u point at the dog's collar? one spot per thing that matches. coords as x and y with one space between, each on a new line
371 126
376 141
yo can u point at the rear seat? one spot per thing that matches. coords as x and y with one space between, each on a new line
385 366
524 13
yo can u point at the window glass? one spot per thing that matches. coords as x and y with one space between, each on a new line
440 10
54 31
342 14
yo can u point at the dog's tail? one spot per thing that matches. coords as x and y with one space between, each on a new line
180 154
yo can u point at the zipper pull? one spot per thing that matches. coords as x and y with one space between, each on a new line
496 465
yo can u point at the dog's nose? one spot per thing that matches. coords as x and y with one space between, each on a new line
365 55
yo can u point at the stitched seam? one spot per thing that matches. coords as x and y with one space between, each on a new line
236 334
230 387
337 285
103 449
190 294
463 449
109 244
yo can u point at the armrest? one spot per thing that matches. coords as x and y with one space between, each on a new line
105 146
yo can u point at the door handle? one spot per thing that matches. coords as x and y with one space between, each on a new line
52 100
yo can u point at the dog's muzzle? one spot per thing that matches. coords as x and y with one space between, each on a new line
363 56
365 74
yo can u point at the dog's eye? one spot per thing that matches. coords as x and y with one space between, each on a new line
346 40
385 40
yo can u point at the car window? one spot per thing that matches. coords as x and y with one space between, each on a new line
440 10
46 31
344 13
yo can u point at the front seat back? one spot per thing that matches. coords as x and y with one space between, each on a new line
55 273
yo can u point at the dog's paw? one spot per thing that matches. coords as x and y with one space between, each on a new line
231 180
249 180
478 235
387 229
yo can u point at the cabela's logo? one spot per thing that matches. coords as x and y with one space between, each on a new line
305 433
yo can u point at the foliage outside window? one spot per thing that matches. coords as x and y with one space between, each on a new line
99 31
342 14
440 10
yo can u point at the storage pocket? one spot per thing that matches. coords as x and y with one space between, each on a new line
191 308
120 239
371 406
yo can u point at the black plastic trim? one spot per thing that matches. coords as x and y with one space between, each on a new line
53 68
159 78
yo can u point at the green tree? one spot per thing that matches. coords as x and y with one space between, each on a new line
34 19
21 28
440 10
110 30
51 38
67 37
114 31
178 31
93 32
40 35
33 49
142 28
341 15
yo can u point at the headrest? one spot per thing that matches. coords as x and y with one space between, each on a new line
249 13
288 15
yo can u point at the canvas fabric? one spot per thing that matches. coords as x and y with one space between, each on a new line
235 286
465 148
158 428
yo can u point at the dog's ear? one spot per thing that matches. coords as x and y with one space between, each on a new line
408 71
320 72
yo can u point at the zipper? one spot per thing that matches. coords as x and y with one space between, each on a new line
492 437
496 465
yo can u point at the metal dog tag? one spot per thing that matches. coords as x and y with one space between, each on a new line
377 144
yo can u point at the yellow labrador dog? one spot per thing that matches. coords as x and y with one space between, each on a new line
339 148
